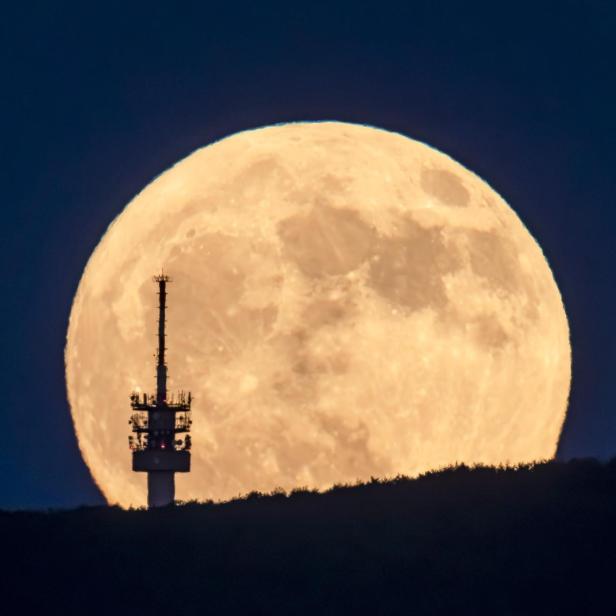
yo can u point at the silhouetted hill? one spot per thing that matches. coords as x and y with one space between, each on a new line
539 539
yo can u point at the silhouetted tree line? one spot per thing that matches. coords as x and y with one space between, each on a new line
539 539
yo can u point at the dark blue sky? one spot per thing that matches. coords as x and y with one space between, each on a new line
96 102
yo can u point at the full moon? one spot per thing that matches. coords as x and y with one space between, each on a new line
347 303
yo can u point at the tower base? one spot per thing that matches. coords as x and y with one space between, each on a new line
161 488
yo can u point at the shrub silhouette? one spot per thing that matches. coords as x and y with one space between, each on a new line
534 539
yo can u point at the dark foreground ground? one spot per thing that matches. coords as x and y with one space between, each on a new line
537 540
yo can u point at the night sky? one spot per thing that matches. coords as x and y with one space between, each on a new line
97 102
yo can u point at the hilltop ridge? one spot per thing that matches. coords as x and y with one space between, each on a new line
536 539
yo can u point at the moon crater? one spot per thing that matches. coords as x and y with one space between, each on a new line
408 268
445 186
327 241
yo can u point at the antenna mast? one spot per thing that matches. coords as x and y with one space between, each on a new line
161 366
157 422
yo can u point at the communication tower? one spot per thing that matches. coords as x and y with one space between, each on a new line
158 423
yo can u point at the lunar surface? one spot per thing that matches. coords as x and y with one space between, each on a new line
347 303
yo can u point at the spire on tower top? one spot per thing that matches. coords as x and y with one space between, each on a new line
162 277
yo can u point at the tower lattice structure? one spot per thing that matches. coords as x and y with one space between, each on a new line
161 423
